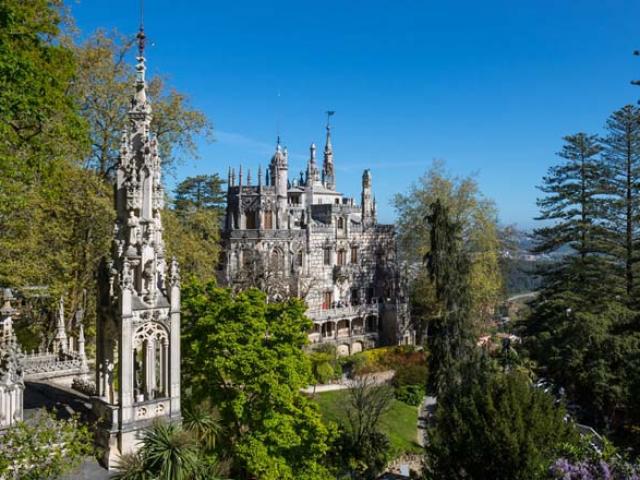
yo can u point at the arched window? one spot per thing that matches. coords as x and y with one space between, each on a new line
340 223
151 362
276 260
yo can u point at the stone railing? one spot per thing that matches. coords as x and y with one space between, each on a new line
41 366
338 313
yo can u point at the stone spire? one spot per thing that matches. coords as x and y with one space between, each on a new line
60 341
138 325
328 174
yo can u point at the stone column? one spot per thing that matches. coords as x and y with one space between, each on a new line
150 368
165 368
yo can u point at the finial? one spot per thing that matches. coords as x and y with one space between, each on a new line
312 149
240 176
141 36
328 147
259 175
278 144
233 178
249 177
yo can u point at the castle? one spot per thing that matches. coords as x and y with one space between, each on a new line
303 238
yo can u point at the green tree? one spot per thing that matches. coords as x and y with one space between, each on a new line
477 217
364 451
246 357
103 88
495 426
43 447
451 332
200 192
193 237
621 156
574 209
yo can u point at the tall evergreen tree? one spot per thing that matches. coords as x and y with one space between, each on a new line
575 202
622 157
451 337
200 192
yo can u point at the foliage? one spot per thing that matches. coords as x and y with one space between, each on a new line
43 447
245 356
593 458
167 453
451 336
200 192
364 450
398 423
203 421
574 202
193 238
495 426
411 394
621 166
103 86
477 219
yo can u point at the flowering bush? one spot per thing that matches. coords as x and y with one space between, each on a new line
564 469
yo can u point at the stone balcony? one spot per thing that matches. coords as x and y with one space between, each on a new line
338 313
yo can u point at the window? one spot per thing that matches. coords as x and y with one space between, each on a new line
327 256
355 296
327 299
369 294
342 257
354 254
251 220
268 220
340 223
299 259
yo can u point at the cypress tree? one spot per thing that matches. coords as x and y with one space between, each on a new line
451 339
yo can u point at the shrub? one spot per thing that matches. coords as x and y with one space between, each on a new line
43 447
410 394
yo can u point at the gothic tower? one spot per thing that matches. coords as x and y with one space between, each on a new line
138 331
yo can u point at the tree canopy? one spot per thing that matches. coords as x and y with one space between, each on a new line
245 355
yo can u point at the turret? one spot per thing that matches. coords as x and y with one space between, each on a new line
279 170
328 172
368 203
313 175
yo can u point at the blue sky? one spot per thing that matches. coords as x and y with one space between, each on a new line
490 87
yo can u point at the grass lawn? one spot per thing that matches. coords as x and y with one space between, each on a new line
399 423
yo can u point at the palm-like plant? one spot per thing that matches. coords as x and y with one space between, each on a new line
132 466
170 451
203 422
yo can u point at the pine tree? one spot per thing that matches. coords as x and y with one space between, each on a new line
575 203
200 192
622 157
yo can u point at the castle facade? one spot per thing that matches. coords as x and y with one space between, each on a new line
301 237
